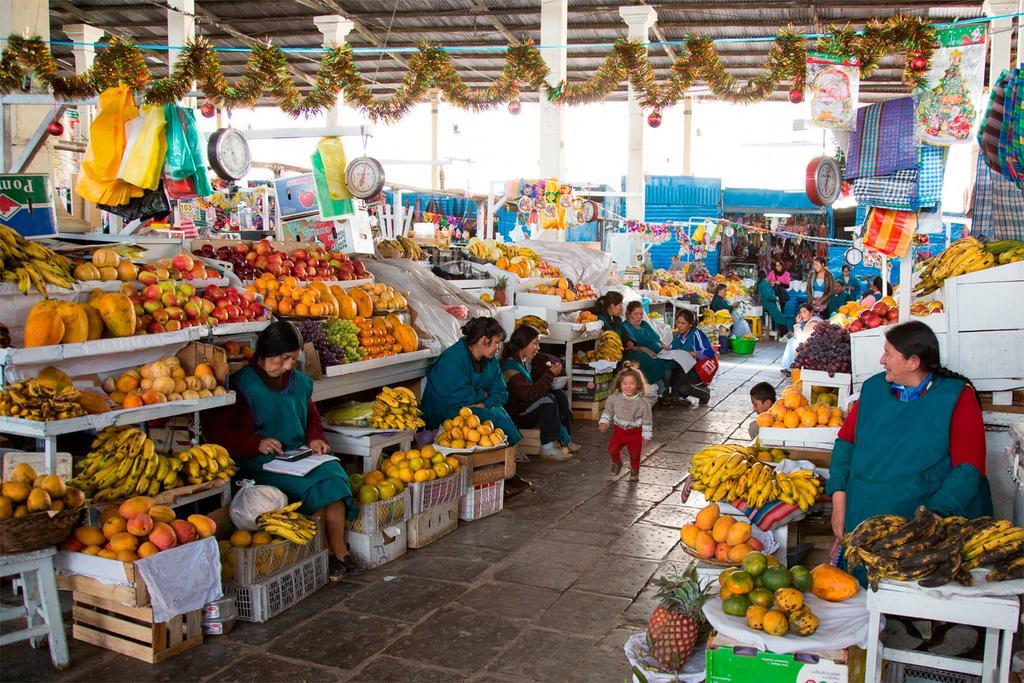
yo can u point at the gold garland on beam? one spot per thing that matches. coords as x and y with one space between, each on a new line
266 72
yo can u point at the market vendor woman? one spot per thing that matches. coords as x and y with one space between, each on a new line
275 413
915 437
644 345
468 374
770 303
608 309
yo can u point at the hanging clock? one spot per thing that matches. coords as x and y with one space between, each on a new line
364 177
589 212
229 154
729 231
823 181
854 256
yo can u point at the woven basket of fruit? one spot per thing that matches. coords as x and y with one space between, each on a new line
37 530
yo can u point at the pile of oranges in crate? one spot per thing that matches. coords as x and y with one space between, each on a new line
793 410
287 297
376 335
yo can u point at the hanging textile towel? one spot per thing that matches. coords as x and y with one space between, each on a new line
884 140
888 231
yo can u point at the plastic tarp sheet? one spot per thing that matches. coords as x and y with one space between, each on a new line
184 580
840 625
580 264
429 295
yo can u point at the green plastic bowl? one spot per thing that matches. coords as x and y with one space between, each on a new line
742 347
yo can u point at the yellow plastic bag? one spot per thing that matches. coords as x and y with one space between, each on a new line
332 154
98 182
143 161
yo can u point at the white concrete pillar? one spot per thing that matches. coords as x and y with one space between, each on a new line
31 18
181 25
335 28
688 104
639 19
999 36
554 17
84 54
435 169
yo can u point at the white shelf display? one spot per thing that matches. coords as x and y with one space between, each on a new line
552 302
372 374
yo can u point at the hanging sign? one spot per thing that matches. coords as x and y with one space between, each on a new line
949 103
296 196
26 204
834 82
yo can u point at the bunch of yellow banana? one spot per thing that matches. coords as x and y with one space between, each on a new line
997 544
32 400
533 321
30 264
396 408
967 255
123 462
408 248
511 251
1006 251
609 346
207 462
730 471
288 524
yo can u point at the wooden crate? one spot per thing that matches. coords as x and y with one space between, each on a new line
135 595
131 631
530 443
587 410
494 464
820 457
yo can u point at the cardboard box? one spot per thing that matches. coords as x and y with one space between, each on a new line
731 662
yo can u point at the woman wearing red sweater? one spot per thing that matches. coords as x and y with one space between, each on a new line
275 413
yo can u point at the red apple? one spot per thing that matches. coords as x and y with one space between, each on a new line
249 295
170 299
151 305
242 249
148 277
213 292
893 315
880 309
162 273
263 247
175 313
300 255
161 316
208 307
139 310
173 325
873 321
193 310
221 315
856 326
261 262
155 328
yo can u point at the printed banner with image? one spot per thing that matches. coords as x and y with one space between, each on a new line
949 104
833 82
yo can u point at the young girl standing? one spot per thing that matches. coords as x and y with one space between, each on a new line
629 413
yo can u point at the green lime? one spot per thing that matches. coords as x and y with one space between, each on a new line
761 596
801 578
736 605
755 563
776 578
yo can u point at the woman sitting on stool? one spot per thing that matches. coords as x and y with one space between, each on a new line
533 403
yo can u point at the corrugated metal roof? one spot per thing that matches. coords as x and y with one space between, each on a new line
404 23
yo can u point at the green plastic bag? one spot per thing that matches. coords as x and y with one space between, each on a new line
184 153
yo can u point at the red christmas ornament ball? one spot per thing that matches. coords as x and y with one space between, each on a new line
514 107
796 95
207 110
654 119
55 128
918 64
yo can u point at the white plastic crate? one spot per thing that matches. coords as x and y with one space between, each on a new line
430 494
261 601
375 516
377 549
256 563
482 500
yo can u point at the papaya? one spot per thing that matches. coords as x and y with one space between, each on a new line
92 403
118 313
364 305
832 584
95 322
406 336
95 296
347 308
76 323
44 326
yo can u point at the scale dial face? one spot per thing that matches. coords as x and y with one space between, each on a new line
229 154
364 177
823 181
854 256
589 211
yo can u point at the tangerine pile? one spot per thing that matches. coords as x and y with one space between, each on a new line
287 297
375 335
466 431
793 410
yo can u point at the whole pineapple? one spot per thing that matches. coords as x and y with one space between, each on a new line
500 292
677 623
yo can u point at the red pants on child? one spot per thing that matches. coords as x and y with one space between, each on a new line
632 440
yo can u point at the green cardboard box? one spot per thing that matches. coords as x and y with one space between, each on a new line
729 662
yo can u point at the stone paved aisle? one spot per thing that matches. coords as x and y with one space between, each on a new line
547 590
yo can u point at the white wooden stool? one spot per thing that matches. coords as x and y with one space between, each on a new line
42 607
366 443
996 614
530 443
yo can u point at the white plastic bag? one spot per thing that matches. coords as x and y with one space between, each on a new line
252 500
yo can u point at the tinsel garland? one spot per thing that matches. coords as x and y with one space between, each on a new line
266 72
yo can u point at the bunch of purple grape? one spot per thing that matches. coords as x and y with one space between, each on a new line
243 268
328 352
826 350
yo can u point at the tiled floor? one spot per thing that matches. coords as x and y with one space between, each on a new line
547 590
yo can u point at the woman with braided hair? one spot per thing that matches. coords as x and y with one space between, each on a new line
915 437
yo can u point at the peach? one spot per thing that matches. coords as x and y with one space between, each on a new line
72 544
127 556
185 532
90 535
140 525
163 536
722 552
205 527
114 526
91 550
108 554
705 544
135 506
108 513
161 513
147 549
124 541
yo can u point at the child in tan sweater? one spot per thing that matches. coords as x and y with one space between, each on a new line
629 413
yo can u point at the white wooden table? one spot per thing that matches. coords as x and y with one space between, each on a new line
365 443
998 615
41 609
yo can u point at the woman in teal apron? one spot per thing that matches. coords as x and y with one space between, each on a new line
608 309
770 302
718 301
915 437
850 284
273 413
690 339
819 285
644 345
468 374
